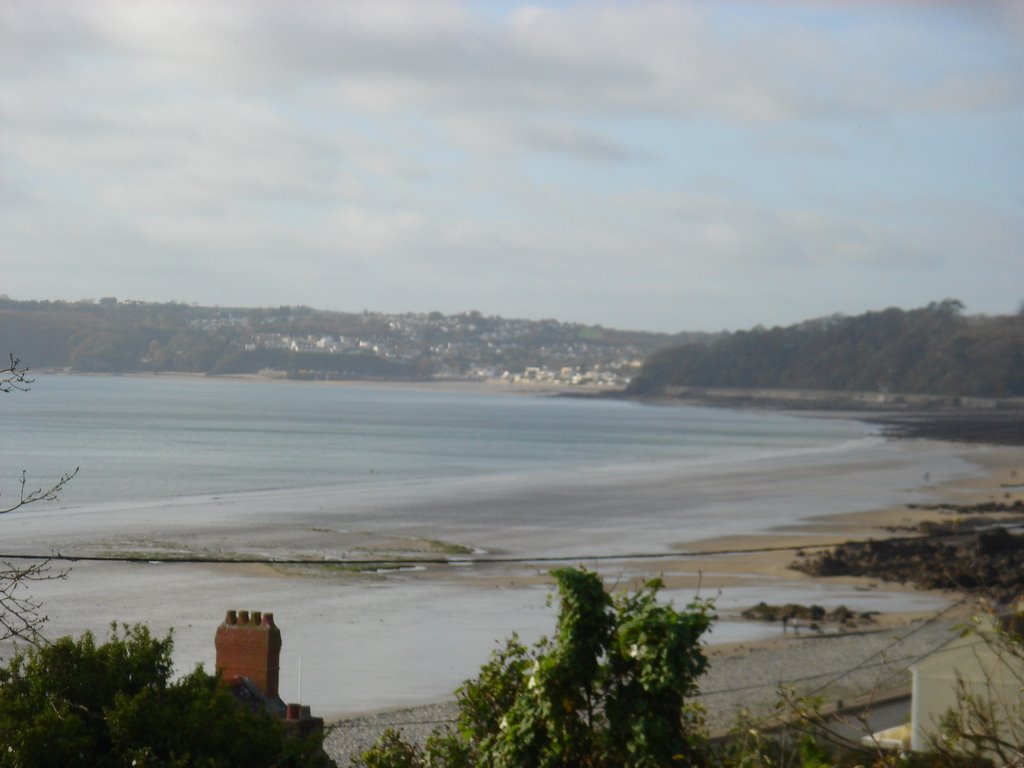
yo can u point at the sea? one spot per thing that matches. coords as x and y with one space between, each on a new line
288 469
156 437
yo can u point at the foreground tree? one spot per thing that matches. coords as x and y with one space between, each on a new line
611 688
76 703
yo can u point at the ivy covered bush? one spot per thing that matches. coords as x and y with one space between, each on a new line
610 688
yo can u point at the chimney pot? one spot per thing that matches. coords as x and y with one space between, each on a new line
294 712
249 645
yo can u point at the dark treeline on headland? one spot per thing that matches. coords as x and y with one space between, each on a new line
935 350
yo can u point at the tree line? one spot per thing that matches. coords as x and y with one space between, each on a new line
121 338
931 350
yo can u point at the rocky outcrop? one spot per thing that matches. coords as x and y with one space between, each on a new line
813 615
987 562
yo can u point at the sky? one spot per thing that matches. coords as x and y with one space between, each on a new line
670 166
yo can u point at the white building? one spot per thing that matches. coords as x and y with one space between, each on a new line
980 672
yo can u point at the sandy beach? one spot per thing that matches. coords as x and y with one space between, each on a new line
430 626
860 665
404 634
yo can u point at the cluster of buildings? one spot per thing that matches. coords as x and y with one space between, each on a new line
615 375
469 346
327 345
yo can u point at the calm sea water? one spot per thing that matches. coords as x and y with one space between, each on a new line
280 468
156 438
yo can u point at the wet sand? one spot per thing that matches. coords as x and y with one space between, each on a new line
744 676
357 642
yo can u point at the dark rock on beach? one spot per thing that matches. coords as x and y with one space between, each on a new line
998 427
986 562
813 614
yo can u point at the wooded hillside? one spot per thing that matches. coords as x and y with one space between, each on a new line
933 350
111 336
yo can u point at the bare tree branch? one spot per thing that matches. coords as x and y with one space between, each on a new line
39 494
14 377
21 616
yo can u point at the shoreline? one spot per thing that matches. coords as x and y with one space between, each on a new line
383 617
992 421
480 387
744 677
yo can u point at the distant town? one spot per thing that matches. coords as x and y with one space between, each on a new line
459 348
111 335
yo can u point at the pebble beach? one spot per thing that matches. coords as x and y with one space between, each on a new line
856 668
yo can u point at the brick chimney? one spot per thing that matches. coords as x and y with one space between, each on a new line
249 645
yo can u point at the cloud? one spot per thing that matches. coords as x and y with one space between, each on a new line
796 142
569 139
661 57
549 158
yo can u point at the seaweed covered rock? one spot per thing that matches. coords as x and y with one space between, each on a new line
988 562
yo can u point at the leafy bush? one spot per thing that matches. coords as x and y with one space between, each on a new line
76 703
611 688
